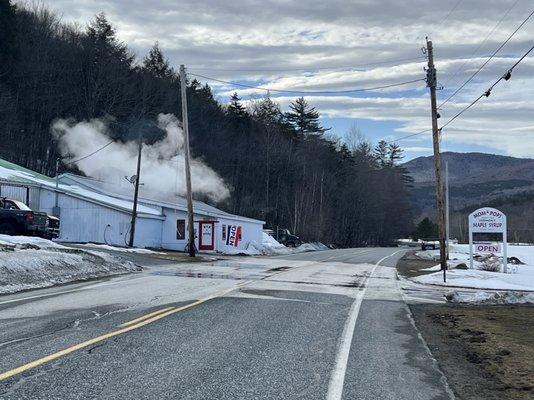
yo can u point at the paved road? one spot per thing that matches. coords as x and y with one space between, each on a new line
323 325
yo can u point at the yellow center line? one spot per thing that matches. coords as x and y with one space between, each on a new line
129 326
142 318
90 342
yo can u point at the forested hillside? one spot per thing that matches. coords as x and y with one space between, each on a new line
280 167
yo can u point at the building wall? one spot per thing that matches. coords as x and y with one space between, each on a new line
168 232
250 232
84 221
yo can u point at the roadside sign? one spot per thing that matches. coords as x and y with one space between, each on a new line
487 220
488 248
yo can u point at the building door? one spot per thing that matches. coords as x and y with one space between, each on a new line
206 239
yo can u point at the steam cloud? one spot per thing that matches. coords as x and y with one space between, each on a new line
162 166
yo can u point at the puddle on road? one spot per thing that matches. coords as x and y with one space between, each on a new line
206 275
279 269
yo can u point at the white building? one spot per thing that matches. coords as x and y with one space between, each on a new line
91 212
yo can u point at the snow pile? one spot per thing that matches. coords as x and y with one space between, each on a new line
135 250
519 277
270 246
508 297
30 263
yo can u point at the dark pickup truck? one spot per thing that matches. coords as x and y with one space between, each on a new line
16 218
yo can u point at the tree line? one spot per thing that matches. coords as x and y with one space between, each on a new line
282 167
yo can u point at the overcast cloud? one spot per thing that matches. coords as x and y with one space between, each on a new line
216 38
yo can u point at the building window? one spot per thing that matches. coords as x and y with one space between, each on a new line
180 229
224 232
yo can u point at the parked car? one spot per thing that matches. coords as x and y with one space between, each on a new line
287 239
16 218
429 244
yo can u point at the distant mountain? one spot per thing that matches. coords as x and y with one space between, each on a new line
475 178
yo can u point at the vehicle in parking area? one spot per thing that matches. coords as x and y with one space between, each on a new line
429 244
286 238
16 218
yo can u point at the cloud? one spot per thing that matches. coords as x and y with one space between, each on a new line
228 37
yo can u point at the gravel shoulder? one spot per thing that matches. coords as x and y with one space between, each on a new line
486 351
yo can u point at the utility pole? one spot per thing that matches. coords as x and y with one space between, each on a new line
447 210
55 211
185 124
136 192
432 83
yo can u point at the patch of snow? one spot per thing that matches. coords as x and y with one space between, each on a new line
29 240
507 297
120 249
519 277
30 263
270 246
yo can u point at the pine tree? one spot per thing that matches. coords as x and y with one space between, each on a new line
304 118
106 46
156 63
381 154
235 107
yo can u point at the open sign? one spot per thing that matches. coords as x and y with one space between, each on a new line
488 248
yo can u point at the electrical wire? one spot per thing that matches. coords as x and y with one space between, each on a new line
304 68
91 154
448 15
487 61
461 67
506 76
409 136
307 92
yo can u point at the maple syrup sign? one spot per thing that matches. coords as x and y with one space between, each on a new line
488 220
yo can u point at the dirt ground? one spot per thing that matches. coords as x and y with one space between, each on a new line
410 265
486 352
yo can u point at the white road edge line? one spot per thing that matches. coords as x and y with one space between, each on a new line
337 379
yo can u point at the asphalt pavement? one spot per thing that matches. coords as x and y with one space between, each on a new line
319 325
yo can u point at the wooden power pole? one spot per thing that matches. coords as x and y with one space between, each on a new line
136 192
432 83
185 125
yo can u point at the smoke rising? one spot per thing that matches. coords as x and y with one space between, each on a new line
162 165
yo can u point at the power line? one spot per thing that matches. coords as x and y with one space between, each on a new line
488 60
448 14
91 154
305 68
460 68
506 77
307 92
409 136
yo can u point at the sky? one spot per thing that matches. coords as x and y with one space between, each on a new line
336 45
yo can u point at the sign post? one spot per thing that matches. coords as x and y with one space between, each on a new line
488 221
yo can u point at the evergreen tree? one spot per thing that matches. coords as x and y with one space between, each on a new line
156 63
381 154
426 229
235 107
304 118
103 40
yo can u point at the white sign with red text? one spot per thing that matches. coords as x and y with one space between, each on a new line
487 220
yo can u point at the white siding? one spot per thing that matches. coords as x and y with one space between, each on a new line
250 232
83 221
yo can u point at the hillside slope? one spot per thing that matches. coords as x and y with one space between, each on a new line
475 178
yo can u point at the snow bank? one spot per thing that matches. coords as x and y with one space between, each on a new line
519 277
509 297
135 250
30 263
270 246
